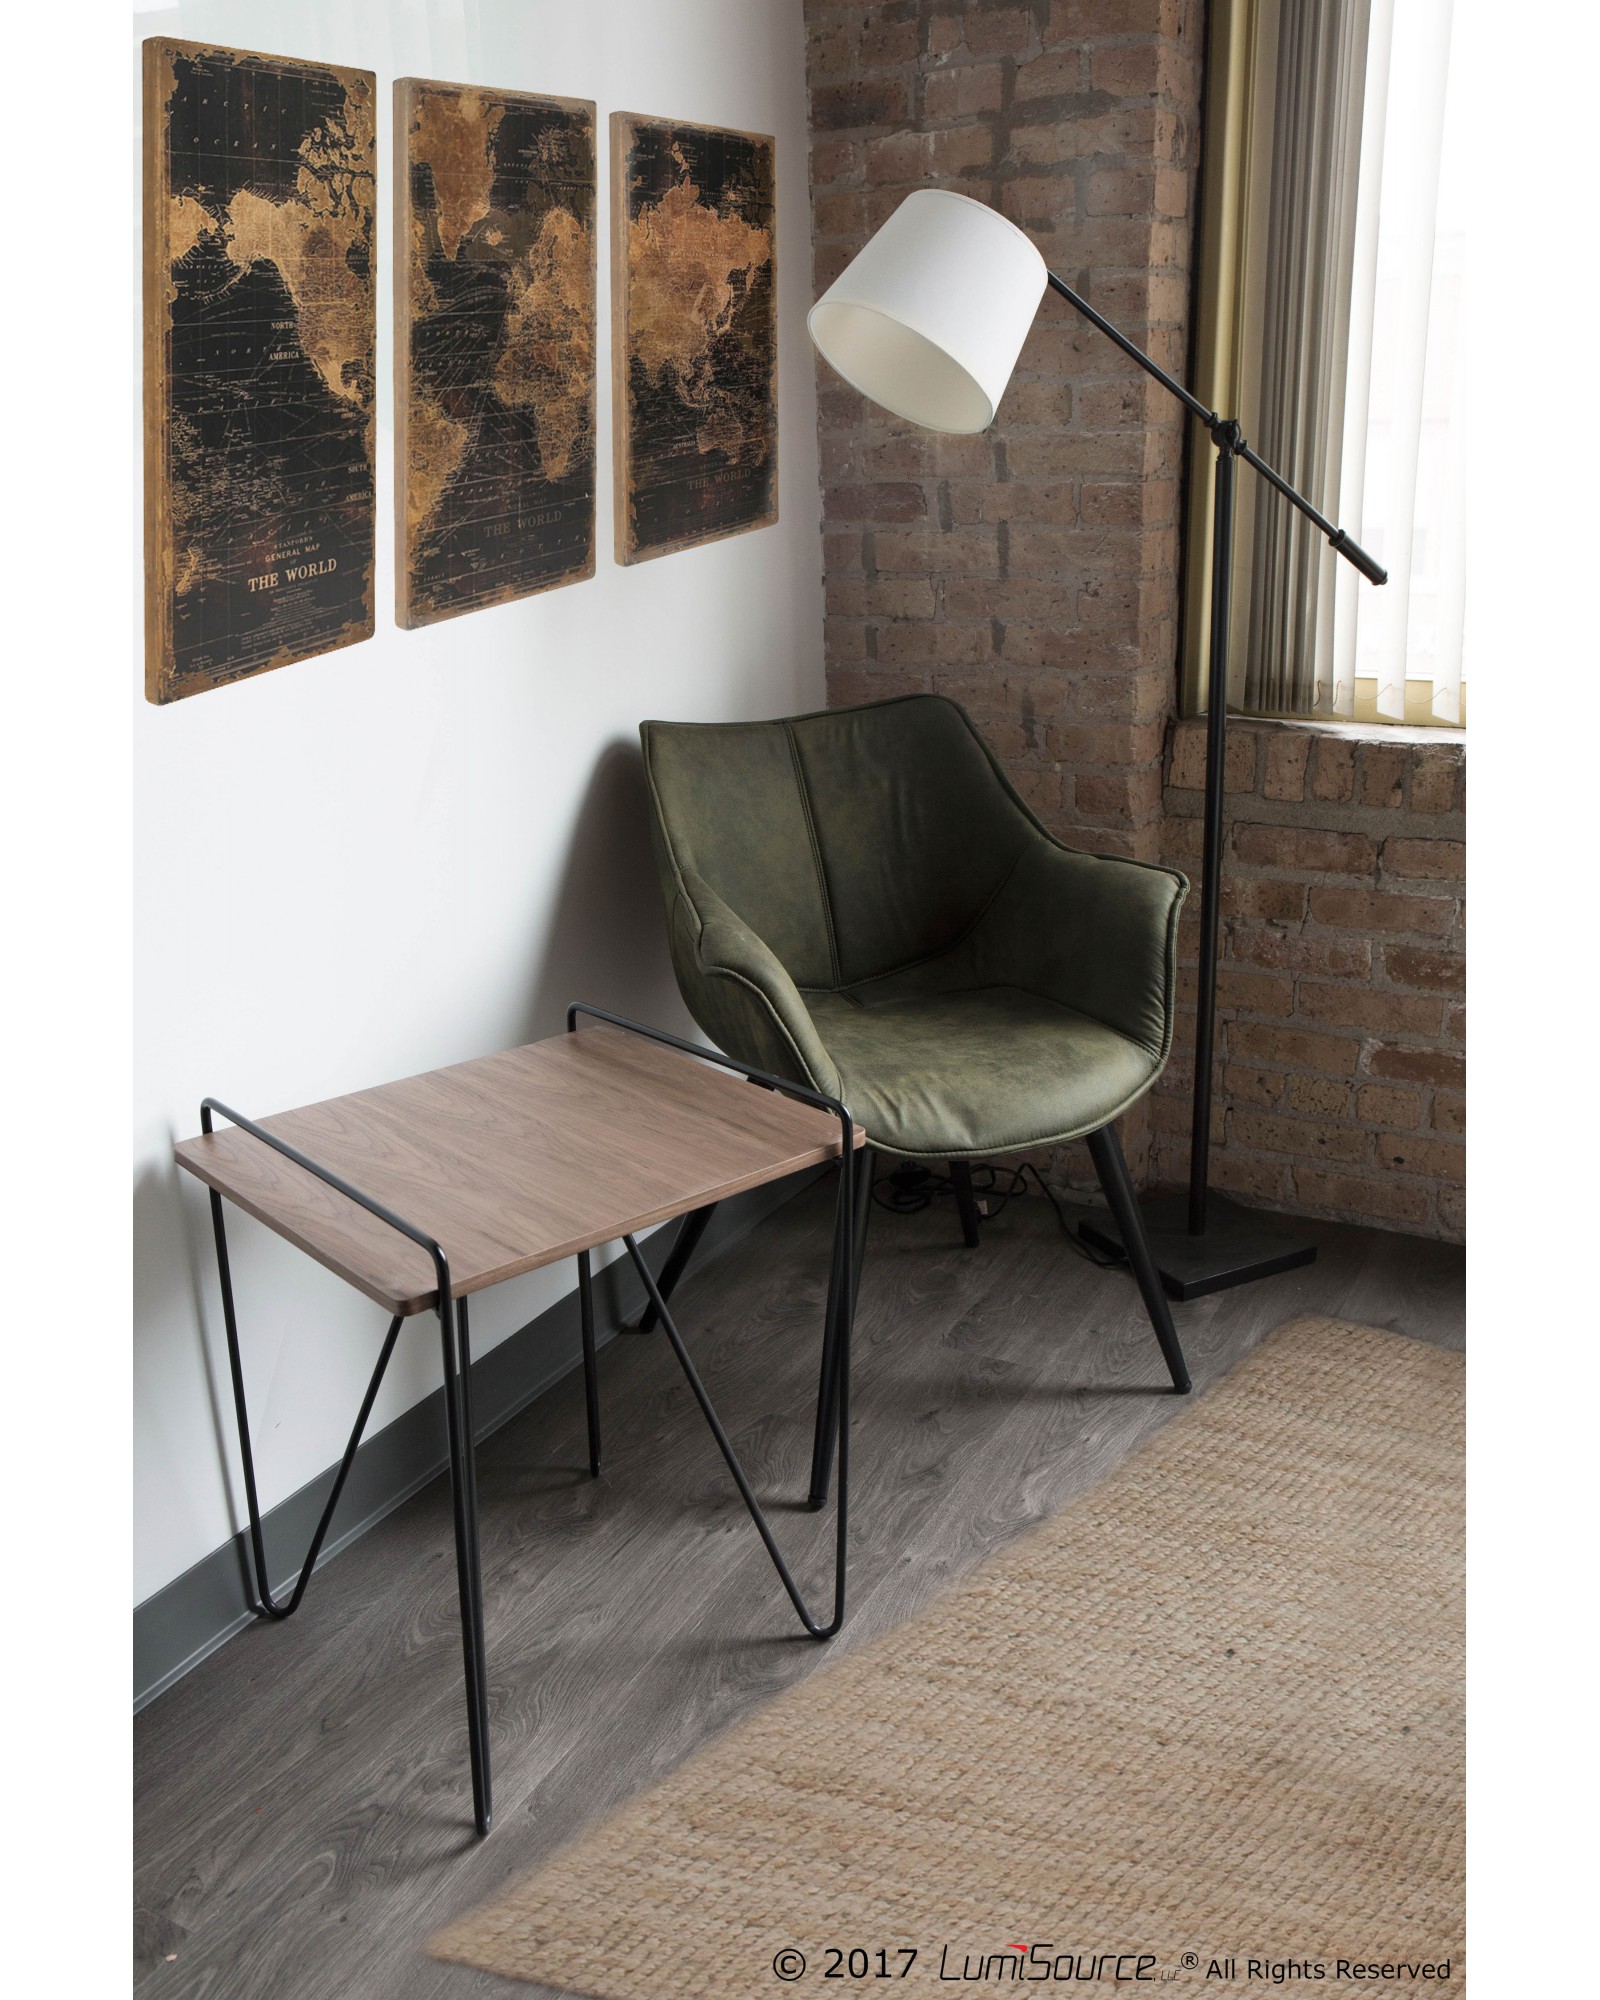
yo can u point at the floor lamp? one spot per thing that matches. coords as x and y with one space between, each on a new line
928 320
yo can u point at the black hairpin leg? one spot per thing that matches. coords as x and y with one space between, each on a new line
966 1201
591 1385
837 1334
266 1605
828 1386
684 1245
457 1359
1105 1149
469 1570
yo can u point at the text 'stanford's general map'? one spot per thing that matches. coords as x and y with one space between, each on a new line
494 346
694 347
260 362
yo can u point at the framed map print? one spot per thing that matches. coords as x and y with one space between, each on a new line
260 352
494 346
694 339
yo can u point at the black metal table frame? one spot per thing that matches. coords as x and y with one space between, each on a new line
833 1396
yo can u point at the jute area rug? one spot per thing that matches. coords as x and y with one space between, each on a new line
1203 1729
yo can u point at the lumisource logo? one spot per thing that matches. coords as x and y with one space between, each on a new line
1022 1964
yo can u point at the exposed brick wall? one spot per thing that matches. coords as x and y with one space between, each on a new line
1341 1036
1031 571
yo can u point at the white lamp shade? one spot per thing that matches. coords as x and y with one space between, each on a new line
930 315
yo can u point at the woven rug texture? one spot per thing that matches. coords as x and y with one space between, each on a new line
1202 1729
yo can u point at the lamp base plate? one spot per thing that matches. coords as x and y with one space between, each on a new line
1238 1246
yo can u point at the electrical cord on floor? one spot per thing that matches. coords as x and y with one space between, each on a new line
910 1188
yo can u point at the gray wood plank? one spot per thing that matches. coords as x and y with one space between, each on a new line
302 1799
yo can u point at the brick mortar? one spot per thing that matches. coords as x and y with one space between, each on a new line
1049 546
1319 816
1360 1123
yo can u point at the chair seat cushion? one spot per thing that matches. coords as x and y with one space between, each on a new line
967 1073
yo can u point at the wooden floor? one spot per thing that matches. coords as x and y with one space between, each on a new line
303 1811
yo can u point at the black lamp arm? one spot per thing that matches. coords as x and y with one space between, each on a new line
1225 433
1338 540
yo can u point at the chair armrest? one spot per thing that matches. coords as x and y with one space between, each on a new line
737 989
1095 932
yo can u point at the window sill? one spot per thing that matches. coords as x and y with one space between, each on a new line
1409 734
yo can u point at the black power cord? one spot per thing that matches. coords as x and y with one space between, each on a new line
910 1188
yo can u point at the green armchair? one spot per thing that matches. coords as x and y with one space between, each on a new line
859 901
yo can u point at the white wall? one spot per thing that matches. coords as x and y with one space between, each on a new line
418 850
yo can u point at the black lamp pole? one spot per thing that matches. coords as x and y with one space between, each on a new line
1205 1243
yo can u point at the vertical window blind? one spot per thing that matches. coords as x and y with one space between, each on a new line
1332 269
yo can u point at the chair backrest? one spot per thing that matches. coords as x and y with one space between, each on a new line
853 842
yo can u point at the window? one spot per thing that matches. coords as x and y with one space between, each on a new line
1333 265
1399 651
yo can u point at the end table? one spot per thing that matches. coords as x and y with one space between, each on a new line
423 1192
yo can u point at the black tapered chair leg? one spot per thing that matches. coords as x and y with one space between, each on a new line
1105 1149
966 1201
827 1428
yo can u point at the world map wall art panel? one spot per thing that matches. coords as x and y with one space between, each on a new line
260 356
695 345
495 323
